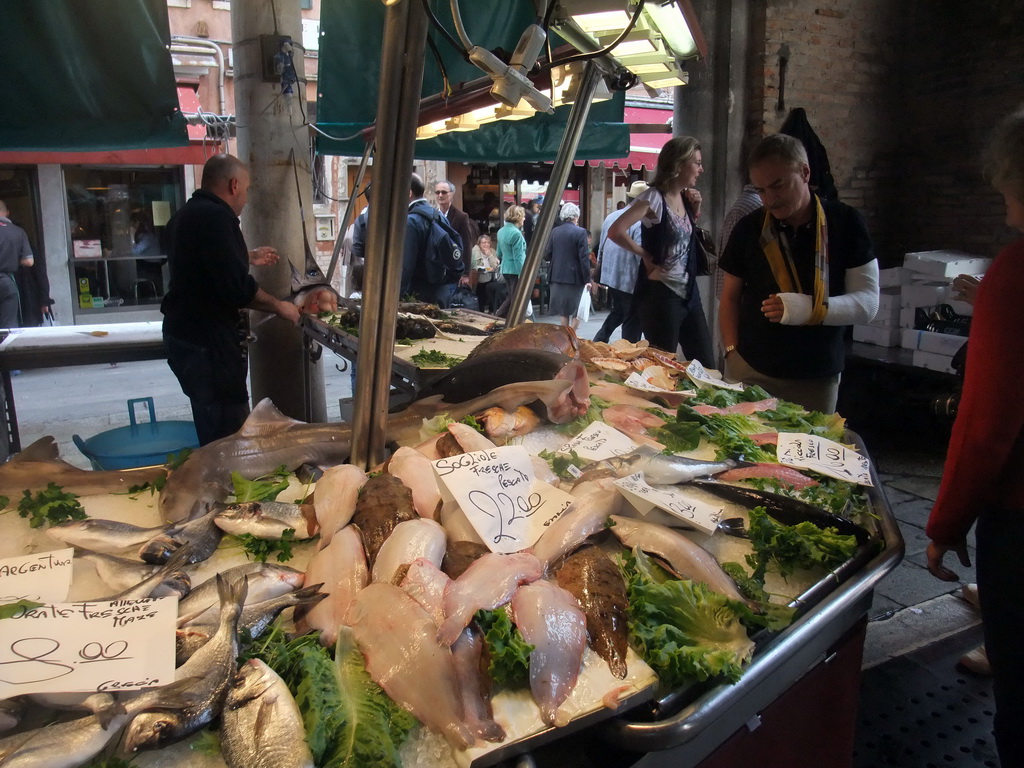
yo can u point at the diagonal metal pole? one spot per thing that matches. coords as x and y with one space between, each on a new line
556 186
349 212
401 83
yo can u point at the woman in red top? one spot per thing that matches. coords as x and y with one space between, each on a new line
983 479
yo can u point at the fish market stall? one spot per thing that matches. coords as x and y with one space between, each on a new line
725 625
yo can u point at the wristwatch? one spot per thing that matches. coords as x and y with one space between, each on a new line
730 348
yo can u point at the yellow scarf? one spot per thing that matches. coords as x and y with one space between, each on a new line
784 269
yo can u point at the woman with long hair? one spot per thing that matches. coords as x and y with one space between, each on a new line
670 309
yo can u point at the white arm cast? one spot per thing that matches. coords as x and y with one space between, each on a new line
858 305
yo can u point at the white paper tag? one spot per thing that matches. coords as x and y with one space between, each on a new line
825 456
599 441
120 645
699 514
498 492
700 376
638 381
42 578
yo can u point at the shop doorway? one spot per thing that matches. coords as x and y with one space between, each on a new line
19 189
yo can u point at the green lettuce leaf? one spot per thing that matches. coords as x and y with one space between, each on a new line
577 425
264 488
678 436
509 653
683 630
790 547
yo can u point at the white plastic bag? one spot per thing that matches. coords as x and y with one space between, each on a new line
583 310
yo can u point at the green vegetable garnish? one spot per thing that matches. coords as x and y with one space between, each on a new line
9 610
432 358
678 436
682 629
789 547
470 421
260 549
577 425
560 463
265 488
350 722
50 505
510 654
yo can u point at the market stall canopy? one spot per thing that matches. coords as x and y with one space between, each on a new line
88 76
350 48
644 145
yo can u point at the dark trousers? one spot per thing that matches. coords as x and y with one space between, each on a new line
213 377
1000 534
511 281
669 320
624 313
10 302
441 295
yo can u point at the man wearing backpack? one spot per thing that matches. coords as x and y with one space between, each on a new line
432 263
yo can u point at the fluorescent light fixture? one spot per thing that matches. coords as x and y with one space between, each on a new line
521 111
603 21
655 68
637 43
430 130
668 20
664 80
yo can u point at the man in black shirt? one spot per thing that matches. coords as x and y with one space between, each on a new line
209 286
795 272
14 252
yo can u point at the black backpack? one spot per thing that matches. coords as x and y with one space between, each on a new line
443 258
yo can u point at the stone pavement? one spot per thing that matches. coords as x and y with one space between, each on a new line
910 609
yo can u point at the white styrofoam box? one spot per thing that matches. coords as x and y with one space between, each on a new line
890 278
926 341
925 294
946 263
872 334
888 298
887 318
932 361
907 315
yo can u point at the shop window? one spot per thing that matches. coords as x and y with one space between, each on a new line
117 218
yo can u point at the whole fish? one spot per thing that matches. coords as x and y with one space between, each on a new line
550 619
385 502
503 425
487 584
398 641
11 712
255 619
334 499
263 580
457 526
107 536
686 559
267 519
415 471
666 469
547 337
261 726
596 500
594 580
117 572
475 685
201 534
340 568
169 579
211 668
784 474
426 584
408 541
269 439
38 465
481 373
103 705
460 555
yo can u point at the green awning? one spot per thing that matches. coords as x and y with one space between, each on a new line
350 51
88 75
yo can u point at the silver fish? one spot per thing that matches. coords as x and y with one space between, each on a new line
269 439
261 726
107 536
103 705
165 581
201 535
267 519
254 620
11 712
264 580
117 572
212 668
666 469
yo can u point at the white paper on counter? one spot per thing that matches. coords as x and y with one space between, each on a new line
701 515
700 376
598 442
504 502
642 382
44 577
120 645
822 455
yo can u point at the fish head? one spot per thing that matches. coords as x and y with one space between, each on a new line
574 401
159 549
151 730
176 583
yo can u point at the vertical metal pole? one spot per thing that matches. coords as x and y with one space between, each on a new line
556 186
401 83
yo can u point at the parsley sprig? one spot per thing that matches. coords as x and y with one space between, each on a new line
50 506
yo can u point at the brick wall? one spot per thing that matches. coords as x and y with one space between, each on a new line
902 95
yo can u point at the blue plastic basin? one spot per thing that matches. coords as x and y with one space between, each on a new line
138 445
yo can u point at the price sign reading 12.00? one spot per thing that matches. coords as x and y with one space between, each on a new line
117 645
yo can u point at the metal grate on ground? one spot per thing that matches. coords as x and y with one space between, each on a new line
922 711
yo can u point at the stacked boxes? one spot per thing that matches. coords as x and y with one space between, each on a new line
923 282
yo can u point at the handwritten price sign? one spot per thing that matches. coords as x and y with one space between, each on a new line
118 645
41 578
644 497
642 382
504 502
700 376
825 456
599 441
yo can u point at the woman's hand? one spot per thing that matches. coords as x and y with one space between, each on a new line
694 198
966 287
937 551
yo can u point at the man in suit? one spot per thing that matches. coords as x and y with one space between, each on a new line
444 193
